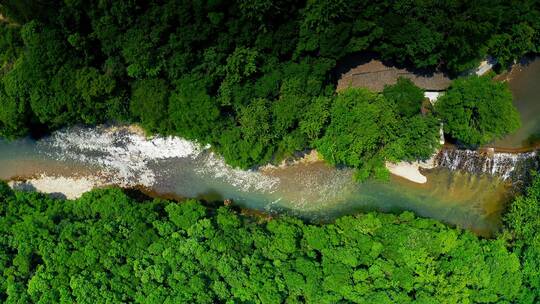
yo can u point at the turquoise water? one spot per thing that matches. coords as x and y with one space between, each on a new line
314 191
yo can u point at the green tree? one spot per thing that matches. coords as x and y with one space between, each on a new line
149 102
361 133
10 45
14 112
524 224
477 110
240 66
507 47
250 143
107 247
315 118
406 95
193 113
96 91
420 137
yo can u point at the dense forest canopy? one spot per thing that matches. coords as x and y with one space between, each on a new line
477 110
366 129
252 78
107 247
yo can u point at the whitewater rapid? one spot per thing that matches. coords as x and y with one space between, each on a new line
127 158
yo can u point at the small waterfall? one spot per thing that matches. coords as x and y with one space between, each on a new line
507 166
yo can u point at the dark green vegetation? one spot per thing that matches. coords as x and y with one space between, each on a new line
477 110
523 220
253 78
109 248
366 129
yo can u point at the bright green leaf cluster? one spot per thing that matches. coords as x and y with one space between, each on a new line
108 248
366 131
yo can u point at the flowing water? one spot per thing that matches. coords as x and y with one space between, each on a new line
468 189
506 166
524 81
315 191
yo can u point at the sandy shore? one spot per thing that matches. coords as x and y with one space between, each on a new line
407 170
411 170
65 187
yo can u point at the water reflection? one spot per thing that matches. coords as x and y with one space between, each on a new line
524 82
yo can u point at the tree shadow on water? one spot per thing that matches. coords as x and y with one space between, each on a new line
533 140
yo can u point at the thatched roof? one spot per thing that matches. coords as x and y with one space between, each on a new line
374 75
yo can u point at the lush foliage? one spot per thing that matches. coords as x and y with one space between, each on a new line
523 221
477 110
418 135
361 132
366 130
407 97
108 248
250 77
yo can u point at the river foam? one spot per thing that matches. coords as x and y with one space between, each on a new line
58 186
122 153
507 166
214 166
125 157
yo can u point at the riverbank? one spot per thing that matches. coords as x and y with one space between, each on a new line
312 156
411 170
407 170
306 187
58 186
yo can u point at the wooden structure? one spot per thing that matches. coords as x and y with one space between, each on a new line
374 75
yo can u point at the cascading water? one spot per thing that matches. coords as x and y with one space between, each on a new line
75 160
507 166
125 157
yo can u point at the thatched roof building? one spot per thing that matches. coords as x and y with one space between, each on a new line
374 75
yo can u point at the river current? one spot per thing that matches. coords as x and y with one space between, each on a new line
466 189
312 190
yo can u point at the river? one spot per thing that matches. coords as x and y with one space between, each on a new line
467 191
524 80
312 190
